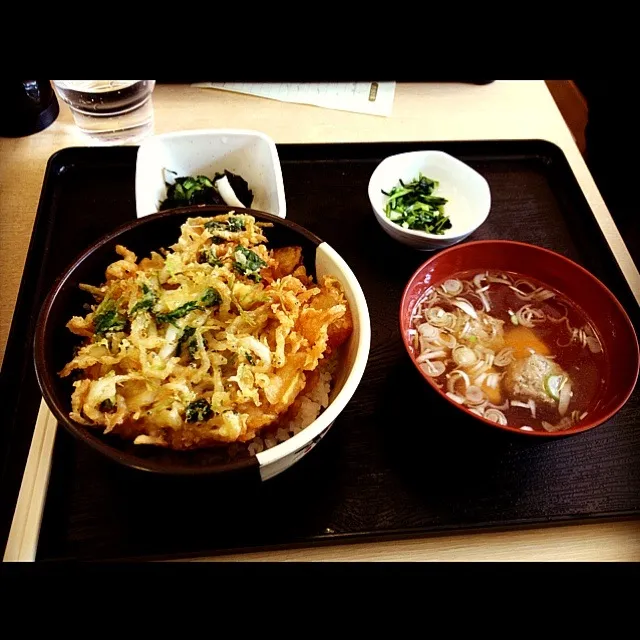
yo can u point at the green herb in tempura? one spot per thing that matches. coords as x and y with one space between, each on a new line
248 263
147 302
179 312
412 205
107 406
188 341
232 223
108 319
236 224
211 258
198 410
209 298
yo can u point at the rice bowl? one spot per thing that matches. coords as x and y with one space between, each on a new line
317 408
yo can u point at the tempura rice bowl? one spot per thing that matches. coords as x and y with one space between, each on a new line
54 344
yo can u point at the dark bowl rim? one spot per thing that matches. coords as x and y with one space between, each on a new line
45 377
574 265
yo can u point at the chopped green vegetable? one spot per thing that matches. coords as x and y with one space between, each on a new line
413 206
212 258
107 318
236 224
553 385
192 347
178 312
188 342
106 406
248 263
209 298
198 410
232 223
190 190
147 302
249 358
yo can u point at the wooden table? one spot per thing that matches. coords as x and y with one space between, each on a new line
431 111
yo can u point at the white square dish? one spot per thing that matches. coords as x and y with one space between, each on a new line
250 154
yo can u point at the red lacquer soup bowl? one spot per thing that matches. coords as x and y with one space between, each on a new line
619 359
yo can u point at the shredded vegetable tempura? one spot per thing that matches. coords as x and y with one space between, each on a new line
209 342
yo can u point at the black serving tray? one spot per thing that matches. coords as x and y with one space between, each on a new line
396 463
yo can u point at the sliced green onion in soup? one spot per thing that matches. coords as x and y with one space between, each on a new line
553 385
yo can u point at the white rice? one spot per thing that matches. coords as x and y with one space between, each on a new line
311 405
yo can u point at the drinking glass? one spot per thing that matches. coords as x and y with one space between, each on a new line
110 111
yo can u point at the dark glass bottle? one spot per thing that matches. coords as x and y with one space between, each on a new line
26 107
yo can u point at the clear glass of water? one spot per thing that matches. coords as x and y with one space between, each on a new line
110 111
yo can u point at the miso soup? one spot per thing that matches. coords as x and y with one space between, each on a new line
509 349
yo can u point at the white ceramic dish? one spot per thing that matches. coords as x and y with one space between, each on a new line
250 154
467 192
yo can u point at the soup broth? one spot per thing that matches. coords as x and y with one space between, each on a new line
509 349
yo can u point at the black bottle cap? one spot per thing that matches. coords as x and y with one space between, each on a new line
26 107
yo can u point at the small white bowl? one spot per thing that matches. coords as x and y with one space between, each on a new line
467 192
250 154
